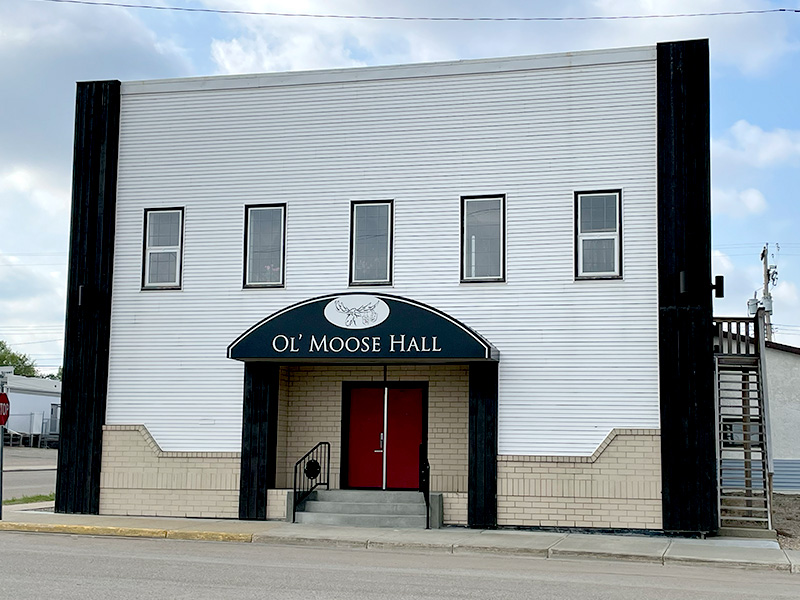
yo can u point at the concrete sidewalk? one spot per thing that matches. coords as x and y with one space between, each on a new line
731 552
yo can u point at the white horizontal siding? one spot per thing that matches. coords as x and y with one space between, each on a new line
577 358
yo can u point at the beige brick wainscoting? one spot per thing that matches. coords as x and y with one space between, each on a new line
619 486
455 508
138 478
277 503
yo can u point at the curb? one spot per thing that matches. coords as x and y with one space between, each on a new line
23 469
389 545
130 532
725 562
209 536
83 530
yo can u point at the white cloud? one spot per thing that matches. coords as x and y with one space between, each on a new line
721 263
34 185
751 44
786 311
786 292
746 144
738 203
32 302
740 283
265 52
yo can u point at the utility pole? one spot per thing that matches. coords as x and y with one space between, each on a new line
767 297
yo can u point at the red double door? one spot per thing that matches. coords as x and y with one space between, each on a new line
385 433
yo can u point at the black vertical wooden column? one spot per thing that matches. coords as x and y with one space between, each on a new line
482 484
259 438
88 323
686 360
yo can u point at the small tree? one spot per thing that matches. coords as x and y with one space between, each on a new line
22 363
56 376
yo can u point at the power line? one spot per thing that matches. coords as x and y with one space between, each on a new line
30 331
46 327
220 11
38 342
60 264
33 254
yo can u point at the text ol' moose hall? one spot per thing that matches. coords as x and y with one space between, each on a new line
488 280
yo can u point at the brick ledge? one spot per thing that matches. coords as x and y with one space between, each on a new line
153 444
579 459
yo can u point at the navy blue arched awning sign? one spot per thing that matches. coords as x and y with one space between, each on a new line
361 327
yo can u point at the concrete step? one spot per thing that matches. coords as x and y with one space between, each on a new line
366 508
358 520
371 496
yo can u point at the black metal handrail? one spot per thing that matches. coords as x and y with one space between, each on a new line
308 474
425 482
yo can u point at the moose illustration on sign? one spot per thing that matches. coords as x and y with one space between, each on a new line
365 312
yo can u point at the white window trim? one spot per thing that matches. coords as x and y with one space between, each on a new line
464 276
148 251
615 235
389 242
263 284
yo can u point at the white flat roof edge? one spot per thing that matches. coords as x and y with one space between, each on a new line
358 74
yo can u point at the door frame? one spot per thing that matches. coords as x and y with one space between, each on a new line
347 387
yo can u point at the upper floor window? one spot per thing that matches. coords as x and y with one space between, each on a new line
163 243
371 243
264 245
598 232
483 238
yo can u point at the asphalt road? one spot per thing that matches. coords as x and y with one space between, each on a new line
17 484
28 483
87 568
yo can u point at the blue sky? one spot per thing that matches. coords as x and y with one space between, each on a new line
46 47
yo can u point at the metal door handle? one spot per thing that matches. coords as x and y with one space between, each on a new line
381 448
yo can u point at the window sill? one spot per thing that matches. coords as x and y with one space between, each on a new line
596 277
262 286
487 280
370 284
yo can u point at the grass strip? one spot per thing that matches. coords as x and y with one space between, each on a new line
31 499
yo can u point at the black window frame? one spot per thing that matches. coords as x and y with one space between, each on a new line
462 242
145 286
390 254
577 235
246 267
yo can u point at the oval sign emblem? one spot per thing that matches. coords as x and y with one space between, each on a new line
358 311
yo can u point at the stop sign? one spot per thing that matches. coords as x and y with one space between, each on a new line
5 408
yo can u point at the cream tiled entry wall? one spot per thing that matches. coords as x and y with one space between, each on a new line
310 411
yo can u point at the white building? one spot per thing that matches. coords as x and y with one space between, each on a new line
783 379
34 404
472 257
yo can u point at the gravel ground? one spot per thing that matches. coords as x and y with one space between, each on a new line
786 516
